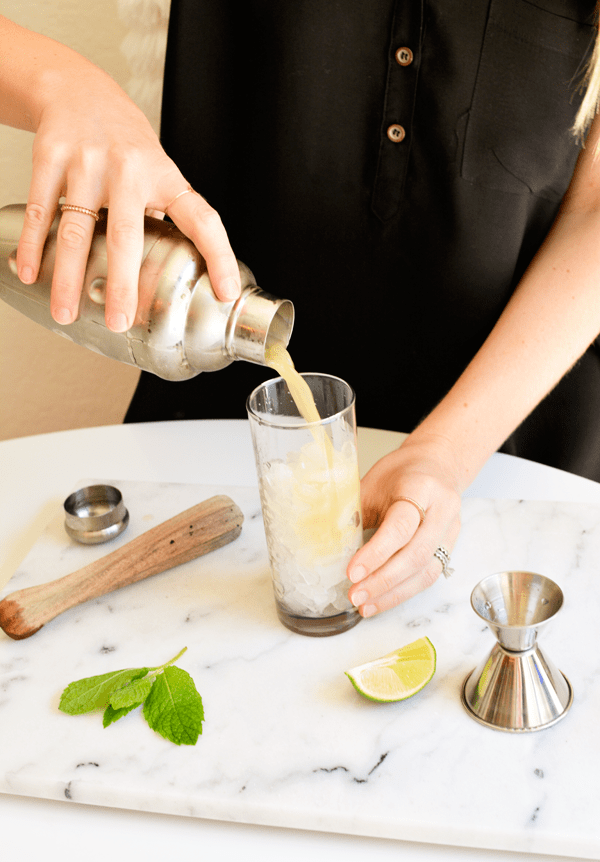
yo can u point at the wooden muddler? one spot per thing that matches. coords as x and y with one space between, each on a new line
203 528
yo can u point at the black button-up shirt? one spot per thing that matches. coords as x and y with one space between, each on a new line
391 166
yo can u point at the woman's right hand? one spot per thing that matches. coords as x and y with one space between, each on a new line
95 148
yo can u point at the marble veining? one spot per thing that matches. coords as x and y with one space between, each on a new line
287 741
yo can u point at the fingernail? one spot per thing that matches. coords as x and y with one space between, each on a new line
230 288
369 611
26 275
118 323
358 573
63 315
358 598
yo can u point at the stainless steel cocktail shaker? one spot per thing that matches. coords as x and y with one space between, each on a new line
180 328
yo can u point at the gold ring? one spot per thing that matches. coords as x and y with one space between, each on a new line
184 192
83 210
414 503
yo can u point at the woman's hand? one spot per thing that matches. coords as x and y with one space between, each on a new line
398 561
95 148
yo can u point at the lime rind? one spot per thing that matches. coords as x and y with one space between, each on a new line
398 675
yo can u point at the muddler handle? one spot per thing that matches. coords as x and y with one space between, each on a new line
203 528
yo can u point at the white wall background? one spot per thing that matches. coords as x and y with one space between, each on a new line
46 382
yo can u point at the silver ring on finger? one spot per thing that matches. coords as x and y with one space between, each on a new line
443 556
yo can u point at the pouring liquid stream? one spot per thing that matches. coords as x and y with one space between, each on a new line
278 358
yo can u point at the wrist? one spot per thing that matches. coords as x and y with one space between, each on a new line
428 445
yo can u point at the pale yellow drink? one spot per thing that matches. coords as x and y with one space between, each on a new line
311 508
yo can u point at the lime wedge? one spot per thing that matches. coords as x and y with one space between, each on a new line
397 675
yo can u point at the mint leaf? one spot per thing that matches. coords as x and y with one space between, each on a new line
111 715
174 708
134 692
93 692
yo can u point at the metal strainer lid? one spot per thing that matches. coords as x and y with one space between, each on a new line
95 514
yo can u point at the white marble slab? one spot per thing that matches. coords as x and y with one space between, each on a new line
287 740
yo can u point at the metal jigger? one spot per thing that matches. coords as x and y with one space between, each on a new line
516 688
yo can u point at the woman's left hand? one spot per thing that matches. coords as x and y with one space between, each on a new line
398 561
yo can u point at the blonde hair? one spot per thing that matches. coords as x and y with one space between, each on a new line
591 100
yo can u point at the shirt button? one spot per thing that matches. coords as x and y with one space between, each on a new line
404 56
396 133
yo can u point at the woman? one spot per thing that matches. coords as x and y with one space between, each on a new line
407 174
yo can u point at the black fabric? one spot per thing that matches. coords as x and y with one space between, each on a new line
399 257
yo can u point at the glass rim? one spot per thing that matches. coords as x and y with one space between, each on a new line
301 423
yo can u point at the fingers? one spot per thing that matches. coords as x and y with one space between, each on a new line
47 179
398 561
404 591
73 243
202 224
124 247
38 219
125 242
399 525
125 239
75 230
88 181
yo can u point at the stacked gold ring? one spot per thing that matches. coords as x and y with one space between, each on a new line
83 210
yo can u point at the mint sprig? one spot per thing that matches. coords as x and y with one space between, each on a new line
172 705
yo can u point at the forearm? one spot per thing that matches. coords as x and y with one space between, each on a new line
35 70
549 322
552 317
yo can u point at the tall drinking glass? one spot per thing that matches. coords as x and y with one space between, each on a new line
310 498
